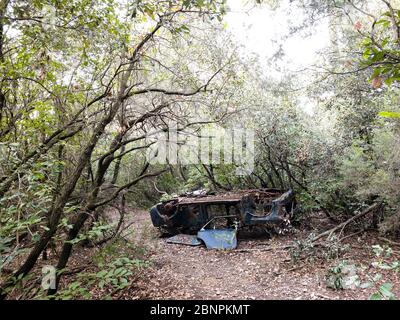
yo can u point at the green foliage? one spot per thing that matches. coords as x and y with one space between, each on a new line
62 65
22 212
381 48
98 231
115 272
383 253
310 251
383 290
60 74
381 52
167 197
337 276
369 170
389 114
384 293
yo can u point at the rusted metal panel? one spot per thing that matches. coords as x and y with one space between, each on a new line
188 214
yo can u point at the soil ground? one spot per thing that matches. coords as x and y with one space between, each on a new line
259 268
254 271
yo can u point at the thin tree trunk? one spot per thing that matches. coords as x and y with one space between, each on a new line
117 167
3 8
56 211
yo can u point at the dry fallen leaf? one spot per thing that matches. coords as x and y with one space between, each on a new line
358 25
377 82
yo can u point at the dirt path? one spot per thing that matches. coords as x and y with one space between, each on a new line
184 272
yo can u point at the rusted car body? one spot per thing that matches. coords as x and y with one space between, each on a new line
221 215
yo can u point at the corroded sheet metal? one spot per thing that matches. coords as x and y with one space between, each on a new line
213 216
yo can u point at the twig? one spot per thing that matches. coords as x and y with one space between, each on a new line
342 225
323 296
289 270
76 270
389 241
264 249
352 235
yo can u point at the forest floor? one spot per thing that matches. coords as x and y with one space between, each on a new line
266 271
260 268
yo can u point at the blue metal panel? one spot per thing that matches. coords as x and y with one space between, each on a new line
156 218
218 239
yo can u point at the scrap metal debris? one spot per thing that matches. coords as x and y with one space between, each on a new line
216 219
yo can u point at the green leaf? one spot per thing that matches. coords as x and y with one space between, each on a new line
101 284
389 114
385 23
377 277
387 286
186 3
376 73
389 81
101 273
375 296
386 290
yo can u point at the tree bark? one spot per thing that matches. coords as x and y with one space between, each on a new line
3 8
56 211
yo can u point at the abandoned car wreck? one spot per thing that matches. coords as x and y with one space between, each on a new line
215 219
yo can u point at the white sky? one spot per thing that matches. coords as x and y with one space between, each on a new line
258 28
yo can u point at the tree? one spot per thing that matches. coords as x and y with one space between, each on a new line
74 99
